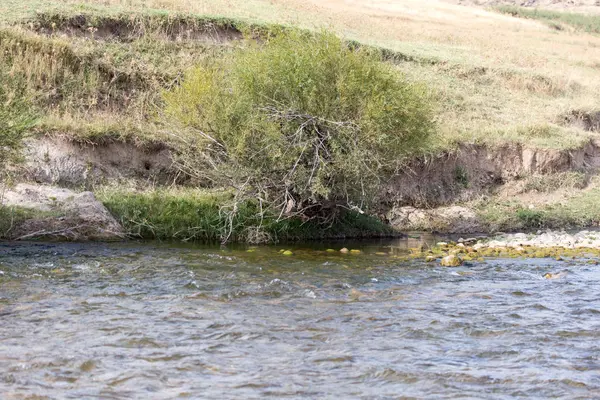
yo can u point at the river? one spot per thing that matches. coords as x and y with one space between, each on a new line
160 321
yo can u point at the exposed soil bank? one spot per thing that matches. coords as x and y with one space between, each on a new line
64 162
439 194
471 170
126 29
430 195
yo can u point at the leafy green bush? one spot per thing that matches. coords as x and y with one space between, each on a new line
531 218
302 121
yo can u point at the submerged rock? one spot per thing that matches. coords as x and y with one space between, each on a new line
559 275
57 213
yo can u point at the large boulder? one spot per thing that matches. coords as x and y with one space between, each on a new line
57 213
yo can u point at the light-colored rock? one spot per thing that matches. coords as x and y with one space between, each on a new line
518 241
494 244
453 219
62 213
451 260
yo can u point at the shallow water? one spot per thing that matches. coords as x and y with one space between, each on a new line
148 321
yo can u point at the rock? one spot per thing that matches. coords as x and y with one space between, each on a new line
354 251
451 260
479 246
287 253
559 275
453 219
61 214
430 259
344 251
494 244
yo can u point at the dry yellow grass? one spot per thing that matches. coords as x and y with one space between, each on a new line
496 77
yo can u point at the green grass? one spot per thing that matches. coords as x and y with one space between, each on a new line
204 216
11 217
93 68
555 19
86 88
581 210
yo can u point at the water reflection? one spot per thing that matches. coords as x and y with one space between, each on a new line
165 321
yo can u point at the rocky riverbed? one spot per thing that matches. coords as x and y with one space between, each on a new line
547 239
561 246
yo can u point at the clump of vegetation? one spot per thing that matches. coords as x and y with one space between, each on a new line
461 176
530 218
16 118
580 210
549 183
583 22
12 217
303 122
199 215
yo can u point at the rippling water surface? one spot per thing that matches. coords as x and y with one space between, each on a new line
147 321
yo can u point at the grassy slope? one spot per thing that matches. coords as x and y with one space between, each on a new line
556 19
496 78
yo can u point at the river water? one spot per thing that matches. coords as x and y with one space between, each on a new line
150 321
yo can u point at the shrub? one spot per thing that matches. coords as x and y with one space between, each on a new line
531 218
302 121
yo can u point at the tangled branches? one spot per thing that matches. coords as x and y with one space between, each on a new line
304 124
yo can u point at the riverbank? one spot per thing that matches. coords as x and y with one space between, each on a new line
516 147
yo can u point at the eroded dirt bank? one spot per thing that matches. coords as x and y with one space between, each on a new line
437 194
63 162
434 193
